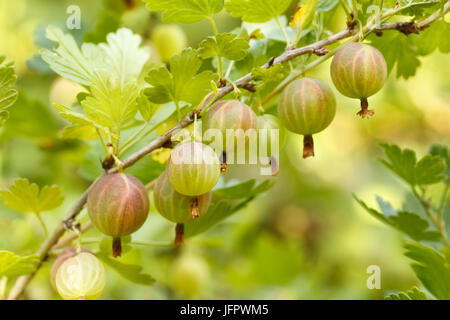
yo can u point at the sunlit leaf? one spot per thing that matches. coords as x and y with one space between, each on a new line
304 15
225 202
7 95
26 197
12 265
256 10
413 294
185 11
432 269
409 223
428 170
131 272
181 83
226 45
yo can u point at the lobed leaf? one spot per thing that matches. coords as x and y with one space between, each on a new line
443 152
226 45
413 294
185 11
430 169
275 73
7 95
409 223
12 265
398 50
111 105
432 269
181 83
131 272
26 197
256 11
225 202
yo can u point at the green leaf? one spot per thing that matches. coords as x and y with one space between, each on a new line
430 169
124 58
256 10
431 268
326 5
26 197
181 83
413 294
226 45
442 151
120 60
407 222
185 11
225 202
275 73
111 105
7 95
82 127
67 59
398 50
146 108
131 272
12 265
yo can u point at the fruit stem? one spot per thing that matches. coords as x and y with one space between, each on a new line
274 166
179 234
223 162
195 212
117 247
365 109
308 146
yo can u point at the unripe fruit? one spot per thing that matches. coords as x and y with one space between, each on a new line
176 207
307 106
189 276
80 277
235 115
118 205
359 71
63 256
169 39
193 168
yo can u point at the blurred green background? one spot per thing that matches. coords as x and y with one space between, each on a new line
306 238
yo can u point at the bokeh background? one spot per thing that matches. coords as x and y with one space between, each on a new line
306 238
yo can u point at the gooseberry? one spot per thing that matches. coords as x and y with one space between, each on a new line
80 277
176 207
359 71
307 106
193 168
118 205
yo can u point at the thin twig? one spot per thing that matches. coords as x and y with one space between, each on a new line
43 251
